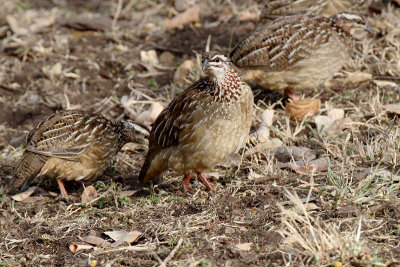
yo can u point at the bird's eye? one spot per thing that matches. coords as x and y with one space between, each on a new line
217 59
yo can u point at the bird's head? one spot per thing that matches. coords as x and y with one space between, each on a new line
215 65
130 132
348 21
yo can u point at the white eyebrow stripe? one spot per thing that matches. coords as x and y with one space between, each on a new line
219 56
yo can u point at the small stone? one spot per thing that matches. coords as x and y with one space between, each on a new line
167 59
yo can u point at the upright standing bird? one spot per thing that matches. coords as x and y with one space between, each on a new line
73 145
201 127
296 52
278 8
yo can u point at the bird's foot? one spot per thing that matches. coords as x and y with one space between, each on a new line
63 192
204 180
186 184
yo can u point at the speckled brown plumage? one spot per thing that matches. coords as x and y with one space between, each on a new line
327 8
201 127
73 145
296 52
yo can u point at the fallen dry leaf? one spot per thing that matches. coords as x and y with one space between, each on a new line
314 166
336 114
149 57
307 206
34 199
88 194
262 147
248 16
78 247
118 235
183 70
122 236
263 131
35 26
294 165
72 75
333 123
298 109
24 195
267 117
337 126
289 153
190 15
358 77
94 240
385 84
323 122
89 24
392 108
14 26
151 114
244 246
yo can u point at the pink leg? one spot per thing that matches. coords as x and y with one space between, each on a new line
291 95
186 183
62 188
205 181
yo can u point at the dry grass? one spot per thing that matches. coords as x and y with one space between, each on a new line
347 215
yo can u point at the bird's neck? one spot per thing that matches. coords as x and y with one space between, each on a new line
228 88
341 26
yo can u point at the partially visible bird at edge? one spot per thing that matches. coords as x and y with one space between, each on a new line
297 52
73 145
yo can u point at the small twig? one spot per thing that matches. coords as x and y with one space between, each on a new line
140 93
138 248
172 254
116 16
68 104
155 255
208 43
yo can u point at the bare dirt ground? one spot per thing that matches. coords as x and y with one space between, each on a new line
261 212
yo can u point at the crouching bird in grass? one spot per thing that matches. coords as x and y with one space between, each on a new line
201 127
73 145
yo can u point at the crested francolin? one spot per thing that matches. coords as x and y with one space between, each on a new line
73 145
201 127
296 52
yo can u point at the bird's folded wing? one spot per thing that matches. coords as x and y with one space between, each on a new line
280 44
72 154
